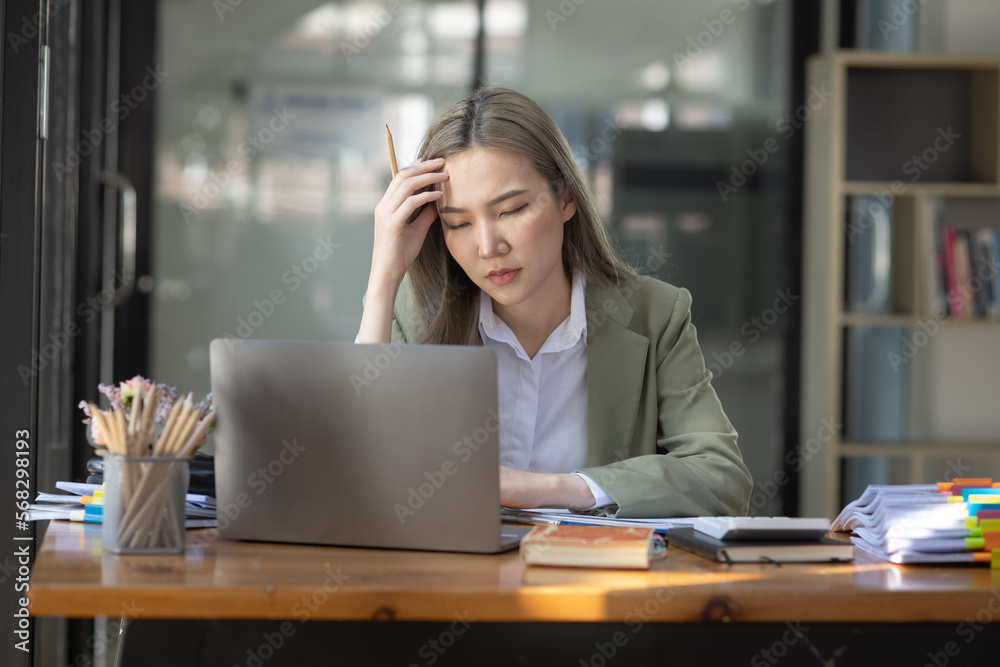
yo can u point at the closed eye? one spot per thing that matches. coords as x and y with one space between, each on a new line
516 210
510 212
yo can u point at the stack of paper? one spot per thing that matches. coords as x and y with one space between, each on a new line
85 502
561 516
948 522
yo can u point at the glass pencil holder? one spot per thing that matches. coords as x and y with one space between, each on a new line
144 504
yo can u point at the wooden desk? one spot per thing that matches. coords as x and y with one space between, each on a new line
216 579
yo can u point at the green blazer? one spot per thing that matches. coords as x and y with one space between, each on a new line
658 441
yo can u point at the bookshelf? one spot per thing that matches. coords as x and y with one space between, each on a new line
884 111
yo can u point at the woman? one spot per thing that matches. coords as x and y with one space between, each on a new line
493 238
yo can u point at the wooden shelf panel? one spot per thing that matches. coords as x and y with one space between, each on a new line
928 449
859 58
866 320
920 188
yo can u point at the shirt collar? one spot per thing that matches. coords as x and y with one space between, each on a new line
571 330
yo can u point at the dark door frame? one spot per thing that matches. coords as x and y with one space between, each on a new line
806 26
21 23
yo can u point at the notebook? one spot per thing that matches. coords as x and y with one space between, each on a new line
768 551
392 446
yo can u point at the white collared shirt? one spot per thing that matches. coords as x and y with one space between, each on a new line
543 401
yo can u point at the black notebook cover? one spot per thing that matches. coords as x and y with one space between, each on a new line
743 551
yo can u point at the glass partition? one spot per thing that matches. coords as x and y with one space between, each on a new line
270 158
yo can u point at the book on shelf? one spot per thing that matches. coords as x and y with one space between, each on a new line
963 274
932 257
592 546
996 267
962 279
876 396
952 296
760 551
868 273
986 253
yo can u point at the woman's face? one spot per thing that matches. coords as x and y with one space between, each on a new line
504 228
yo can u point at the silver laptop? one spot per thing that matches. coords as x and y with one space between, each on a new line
360 445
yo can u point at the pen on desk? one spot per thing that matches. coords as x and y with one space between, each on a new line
83 517
392 151
526 518
584 522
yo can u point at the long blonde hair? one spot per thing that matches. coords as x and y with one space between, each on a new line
446 299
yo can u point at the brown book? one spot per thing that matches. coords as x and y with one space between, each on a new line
592 546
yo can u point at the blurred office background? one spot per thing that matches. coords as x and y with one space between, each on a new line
252 131
269 148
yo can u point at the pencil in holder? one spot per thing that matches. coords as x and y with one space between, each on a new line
144 504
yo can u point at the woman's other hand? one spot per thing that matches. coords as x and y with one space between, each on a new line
529 490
